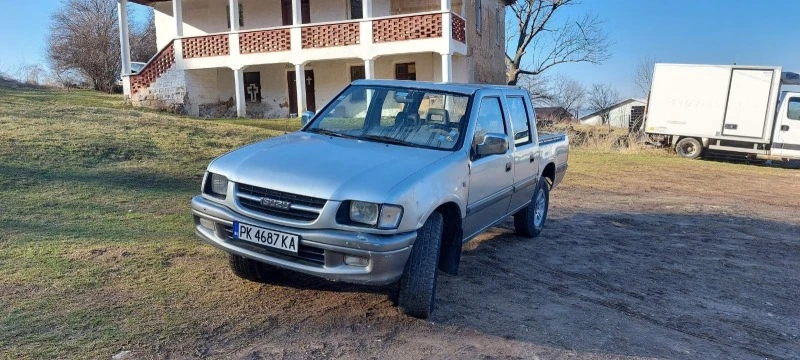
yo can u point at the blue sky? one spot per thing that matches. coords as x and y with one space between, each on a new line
691 31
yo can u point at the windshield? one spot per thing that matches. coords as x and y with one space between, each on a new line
395 115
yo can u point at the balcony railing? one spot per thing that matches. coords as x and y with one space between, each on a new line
325 35
264 41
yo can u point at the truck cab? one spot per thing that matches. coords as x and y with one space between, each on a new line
786 137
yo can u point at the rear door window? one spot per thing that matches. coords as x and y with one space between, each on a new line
518 112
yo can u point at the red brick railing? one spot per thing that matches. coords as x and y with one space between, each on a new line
157 66
459 32
263 41
319 36
205 46
407 28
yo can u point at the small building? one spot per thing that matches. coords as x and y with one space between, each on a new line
619 115
554 114
273 58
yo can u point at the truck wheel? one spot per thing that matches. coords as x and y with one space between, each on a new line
250 269
529 221
689 148
417 289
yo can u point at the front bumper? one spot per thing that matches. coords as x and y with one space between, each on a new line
386 254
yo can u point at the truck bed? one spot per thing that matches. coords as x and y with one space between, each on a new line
555 147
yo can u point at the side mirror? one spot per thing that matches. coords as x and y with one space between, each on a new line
492 144
306 117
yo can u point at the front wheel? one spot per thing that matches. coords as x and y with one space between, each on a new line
417 289
689 148
529 221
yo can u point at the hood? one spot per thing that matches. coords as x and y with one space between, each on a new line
325 167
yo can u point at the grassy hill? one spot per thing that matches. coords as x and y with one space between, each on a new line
95 221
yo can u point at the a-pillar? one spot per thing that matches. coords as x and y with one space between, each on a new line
447 67
300 80
124 42
177 14
241 104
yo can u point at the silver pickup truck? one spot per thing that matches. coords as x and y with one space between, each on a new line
383 185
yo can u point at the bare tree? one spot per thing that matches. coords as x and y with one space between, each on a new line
567 93
143 40
643 76
551 42
536 87
601 98
84 37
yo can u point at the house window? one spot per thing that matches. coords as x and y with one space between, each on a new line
228 15
358 72
405 71
500 24
478 17
356 11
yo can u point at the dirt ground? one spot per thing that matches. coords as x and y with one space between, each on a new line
700 262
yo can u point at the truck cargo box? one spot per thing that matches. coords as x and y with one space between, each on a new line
714 101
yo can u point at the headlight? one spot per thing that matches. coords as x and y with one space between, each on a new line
383 216
364 212
219 184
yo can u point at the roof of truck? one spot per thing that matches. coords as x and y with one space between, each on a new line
466 89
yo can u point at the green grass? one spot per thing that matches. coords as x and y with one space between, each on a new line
97 251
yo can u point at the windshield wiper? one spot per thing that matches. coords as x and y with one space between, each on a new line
386 139
330 133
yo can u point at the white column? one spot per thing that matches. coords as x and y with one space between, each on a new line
300 79
234 14
177 14
369 68
446 5
241 105
297 12
366 9
124 42
447 67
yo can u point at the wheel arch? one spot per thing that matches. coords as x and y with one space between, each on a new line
452 235
549 172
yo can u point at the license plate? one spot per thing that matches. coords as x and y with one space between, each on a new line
265 237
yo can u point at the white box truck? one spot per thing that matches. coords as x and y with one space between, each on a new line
726 108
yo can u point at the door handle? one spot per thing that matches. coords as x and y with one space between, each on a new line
508 167
731 126
532 158
784 127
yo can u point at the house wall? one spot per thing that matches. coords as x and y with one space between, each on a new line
486 55
619 116
210 92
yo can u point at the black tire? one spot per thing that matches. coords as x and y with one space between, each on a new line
689 148
417 288
250 269
526 221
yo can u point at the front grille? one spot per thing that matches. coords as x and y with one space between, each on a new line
306 254
292 214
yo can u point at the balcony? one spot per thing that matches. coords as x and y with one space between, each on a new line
439 32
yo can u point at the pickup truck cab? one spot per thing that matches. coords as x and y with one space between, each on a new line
383 185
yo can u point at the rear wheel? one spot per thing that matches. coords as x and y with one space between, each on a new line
529 221
250 269
417 288
689 148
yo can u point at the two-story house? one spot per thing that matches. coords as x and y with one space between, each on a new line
276 58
